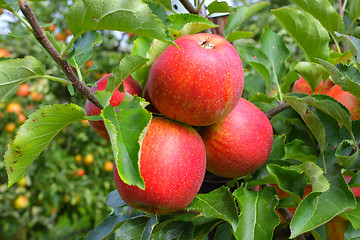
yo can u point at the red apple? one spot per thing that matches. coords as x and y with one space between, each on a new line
172 163
197 83
355 190
347 99
327 86
130 86
240 143
301 86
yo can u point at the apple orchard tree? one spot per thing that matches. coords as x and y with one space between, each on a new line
201 150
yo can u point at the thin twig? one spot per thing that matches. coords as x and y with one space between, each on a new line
188 6
62 63
341 9
277 109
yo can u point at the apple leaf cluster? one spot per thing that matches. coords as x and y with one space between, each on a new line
321 146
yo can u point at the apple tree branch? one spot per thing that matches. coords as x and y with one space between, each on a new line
62 63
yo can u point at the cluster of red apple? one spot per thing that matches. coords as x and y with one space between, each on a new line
329 88
198 83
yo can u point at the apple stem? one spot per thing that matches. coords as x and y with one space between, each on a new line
62 63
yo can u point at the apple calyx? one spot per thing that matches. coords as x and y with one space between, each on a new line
207 44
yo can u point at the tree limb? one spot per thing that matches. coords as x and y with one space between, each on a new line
62 63
277 109
188 6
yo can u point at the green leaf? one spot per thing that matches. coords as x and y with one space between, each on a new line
83 48
127 16
351 233
332 108
258 218
354 215
343 153
141 46
315 176
297 150
216 204
257 60
186 24
278 150
316 209
236 35
127 65
177 230
137 228
355 181
127 129
15 71
37 131
203 226
289 180
217 7
165 3
310 119
347 83
311 72
10 5
354 9
224 232
324 11
107 227
308 33
353 44
114 200
276 51
238 17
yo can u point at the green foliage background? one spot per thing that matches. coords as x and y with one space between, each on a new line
66 206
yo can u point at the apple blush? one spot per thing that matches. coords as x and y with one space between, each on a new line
197 83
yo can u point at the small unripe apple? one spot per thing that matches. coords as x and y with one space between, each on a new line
88 159
240 143
4 53
130 86
172 164
347 99
10 127
21 202
108 166
14 107
21 118
36 96
197 83
23 90
78 158
80 172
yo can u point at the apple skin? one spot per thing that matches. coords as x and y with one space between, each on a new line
130 86
355 190
347 99
240 143
172 163
301 86
198 83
